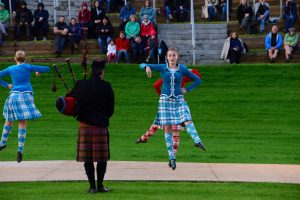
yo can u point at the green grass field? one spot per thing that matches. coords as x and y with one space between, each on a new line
244 114
152 190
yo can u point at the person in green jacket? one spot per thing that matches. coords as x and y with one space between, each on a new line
4 17
290 43
132 29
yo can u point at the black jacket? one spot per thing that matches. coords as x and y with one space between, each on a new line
96 101
97 17
242 10
100 30
24 15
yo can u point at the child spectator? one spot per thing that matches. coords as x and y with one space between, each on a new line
104 32
290 14
262 12
244 15
111 52
40 22
74 34
122 46
233 49
148 10
23 20
4 17
290 43
125 13
273 42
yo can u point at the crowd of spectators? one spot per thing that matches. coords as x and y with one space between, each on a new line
138 35
234 47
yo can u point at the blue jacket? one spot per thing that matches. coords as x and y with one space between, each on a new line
172 80
75 30
20 75
268 41
150 12
125 13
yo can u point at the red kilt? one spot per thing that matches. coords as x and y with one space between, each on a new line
92 144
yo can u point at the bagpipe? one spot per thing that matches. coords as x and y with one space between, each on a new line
68 105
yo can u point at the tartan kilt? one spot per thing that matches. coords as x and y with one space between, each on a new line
172 111
93 144
20 106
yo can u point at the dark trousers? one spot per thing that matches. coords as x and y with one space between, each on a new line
90 172
18 30
40 28
60 42
122 25
234 56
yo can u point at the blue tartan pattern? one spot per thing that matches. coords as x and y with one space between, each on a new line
20 106
172 111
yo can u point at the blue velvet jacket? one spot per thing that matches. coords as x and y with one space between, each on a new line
172 80
20 75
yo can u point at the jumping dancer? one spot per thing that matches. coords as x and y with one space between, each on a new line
19 105
173 109
175 128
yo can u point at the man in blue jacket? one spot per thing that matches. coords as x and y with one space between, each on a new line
125 13
273 42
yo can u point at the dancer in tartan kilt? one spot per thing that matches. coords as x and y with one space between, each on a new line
19 105
95 98
175 128
172 108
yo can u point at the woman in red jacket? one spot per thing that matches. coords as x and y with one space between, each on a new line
84 16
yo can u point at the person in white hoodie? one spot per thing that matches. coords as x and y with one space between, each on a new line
111 52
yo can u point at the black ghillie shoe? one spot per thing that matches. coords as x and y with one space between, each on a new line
19 157
2 147
103 189
139 140
92 191
172 164
200 145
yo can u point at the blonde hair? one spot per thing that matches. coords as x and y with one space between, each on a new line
131 16
20 56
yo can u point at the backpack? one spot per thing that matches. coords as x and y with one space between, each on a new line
162 51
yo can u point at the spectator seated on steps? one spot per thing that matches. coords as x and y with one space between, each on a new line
290 43
244 16
125 13
233 49
41 24
23 20
273 43
209 10
262 12
4 17
74 34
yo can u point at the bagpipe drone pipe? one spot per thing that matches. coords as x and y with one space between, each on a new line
68 105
